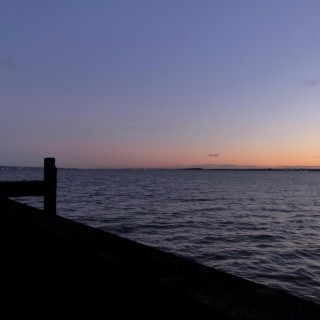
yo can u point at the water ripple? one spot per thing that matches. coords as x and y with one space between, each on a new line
263 226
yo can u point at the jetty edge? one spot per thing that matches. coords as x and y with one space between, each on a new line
55 268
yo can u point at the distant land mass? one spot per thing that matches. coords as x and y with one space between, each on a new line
190 168
17 167
249 167
253 169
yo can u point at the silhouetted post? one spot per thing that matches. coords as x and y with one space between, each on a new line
50 186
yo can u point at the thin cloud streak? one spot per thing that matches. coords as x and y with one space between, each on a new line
308 82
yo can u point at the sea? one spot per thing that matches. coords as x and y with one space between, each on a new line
260 225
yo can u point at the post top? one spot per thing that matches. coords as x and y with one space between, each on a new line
50 160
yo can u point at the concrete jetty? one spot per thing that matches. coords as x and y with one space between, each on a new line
56 268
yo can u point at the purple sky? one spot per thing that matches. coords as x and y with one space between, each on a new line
160 83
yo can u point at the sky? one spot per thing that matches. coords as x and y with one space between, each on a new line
160 83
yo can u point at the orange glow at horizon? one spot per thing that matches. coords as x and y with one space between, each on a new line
170 157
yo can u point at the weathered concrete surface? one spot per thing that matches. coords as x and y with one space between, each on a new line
55 268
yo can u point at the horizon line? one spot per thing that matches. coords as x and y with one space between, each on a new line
181 167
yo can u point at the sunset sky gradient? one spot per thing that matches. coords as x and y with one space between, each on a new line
160 83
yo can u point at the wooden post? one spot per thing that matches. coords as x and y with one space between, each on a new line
50 186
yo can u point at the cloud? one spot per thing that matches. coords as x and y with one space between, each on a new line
311 82
213 155
308 82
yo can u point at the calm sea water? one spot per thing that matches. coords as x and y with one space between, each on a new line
263 226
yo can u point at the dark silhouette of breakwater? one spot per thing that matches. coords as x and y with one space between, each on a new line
46 188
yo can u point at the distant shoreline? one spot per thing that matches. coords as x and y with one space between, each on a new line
253 169
171 169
